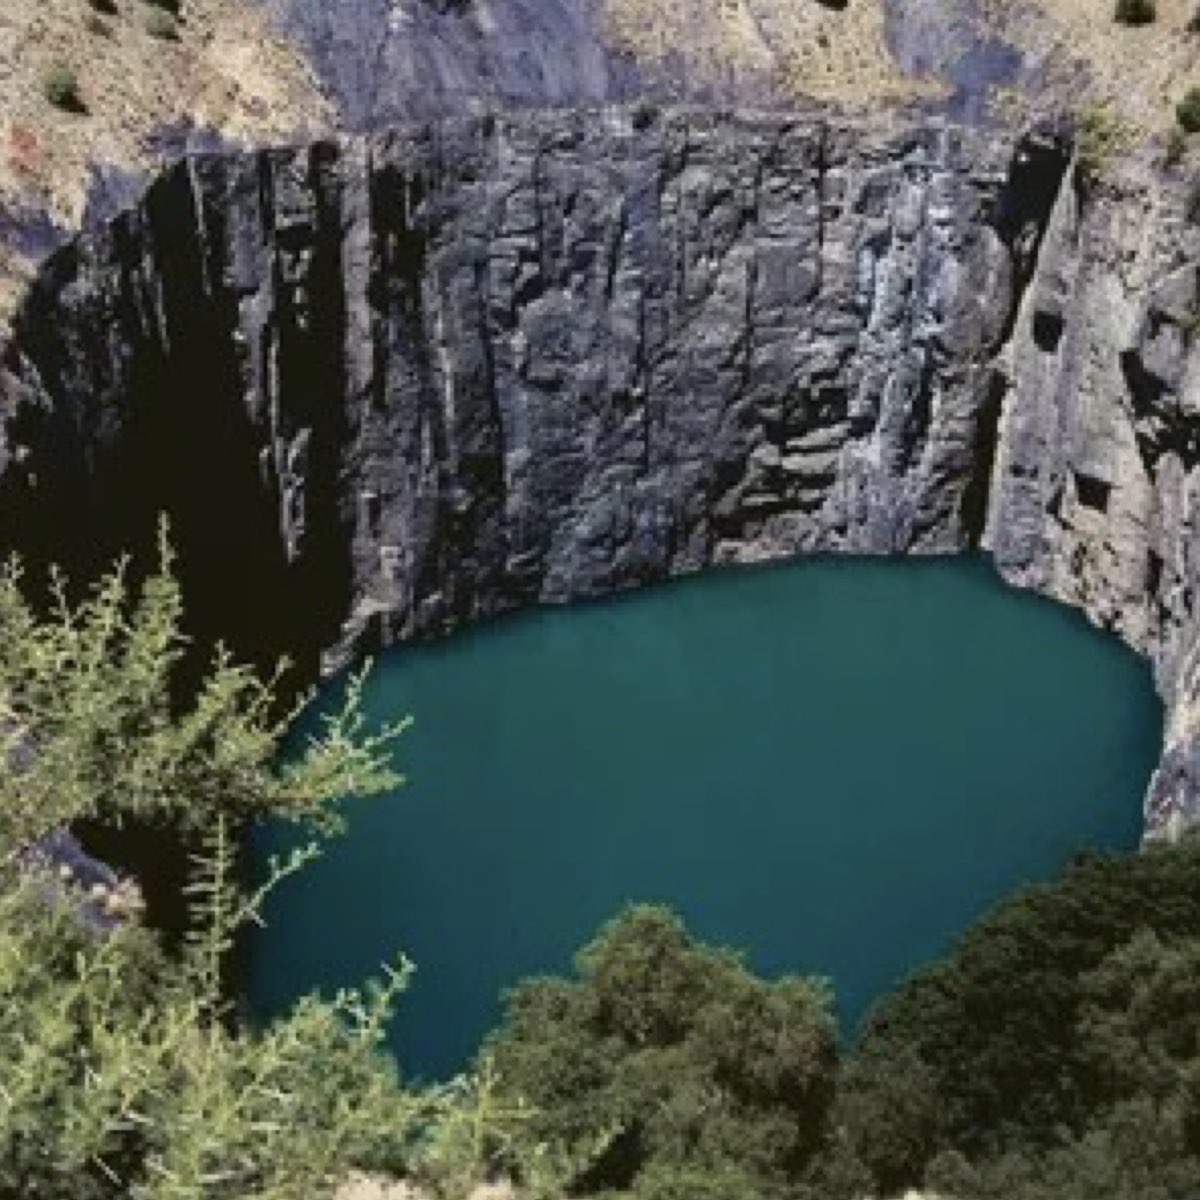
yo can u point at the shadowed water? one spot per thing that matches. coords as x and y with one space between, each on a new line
834 764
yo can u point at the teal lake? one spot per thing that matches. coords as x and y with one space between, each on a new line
834 765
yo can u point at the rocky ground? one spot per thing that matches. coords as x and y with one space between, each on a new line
1080 55
225 76
270 71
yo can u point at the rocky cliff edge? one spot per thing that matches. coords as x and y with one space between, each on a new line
390 384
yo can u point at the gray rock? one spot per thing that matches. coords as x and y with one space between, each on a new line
389 385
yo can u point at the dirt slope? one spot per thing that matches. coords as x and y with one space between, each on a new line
255 71
224 71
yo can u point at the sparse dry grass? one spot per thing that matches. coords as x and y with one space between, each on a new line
229 71
841 56
226 71
816 52
1136 72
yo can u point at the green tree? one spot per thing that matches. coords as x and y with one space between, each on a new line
1139 1025
1136 12
1051 1016
91 726
666 1057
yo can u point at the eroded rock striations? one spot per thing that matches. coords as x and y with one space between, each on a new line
392 384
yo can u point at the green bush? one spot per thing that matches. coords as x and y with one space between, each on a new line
1053 1055
1014 1043
161 24
1187 111
665 1058
124 1070
1136 12
1099 136
60 85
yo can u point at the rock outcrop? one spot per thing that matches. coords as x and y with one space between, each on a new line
388 385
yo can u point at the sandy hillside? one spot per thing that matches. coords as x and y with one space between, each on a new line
226 69
223 70
821 53
1140 72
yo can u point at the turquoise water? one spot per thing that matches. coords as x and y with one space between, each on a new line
834 764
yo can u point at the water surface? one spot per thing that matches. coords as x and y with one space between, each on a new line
834 764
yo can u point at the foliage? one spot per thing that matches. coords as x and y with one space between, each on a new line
161 24
1099 135
1054 1055
1136 12
123 1071
1187 111
478 1128
1051 1015
119 1080
90 726
60 85
666 1057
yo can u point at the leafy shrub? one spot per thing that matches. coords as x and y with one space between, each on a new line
664 1059
1187 111
125 1070
1099 135
1136 12
60 85
1012 1044
161 24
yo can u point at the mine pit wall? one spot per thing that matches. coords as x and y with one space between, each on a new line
390 385
1094 491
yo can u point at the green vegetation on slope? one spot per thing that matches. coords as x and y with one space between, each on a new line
122 1071
1054 1055
668 1061
1061 1036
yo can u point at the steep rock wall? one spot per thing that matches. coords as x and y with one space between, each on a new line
391 384
1094 499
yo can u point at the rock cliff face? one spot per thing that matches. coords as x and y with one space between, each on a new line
391 384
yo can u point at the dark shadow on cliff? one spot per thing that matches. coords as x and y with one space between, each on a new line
149 417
